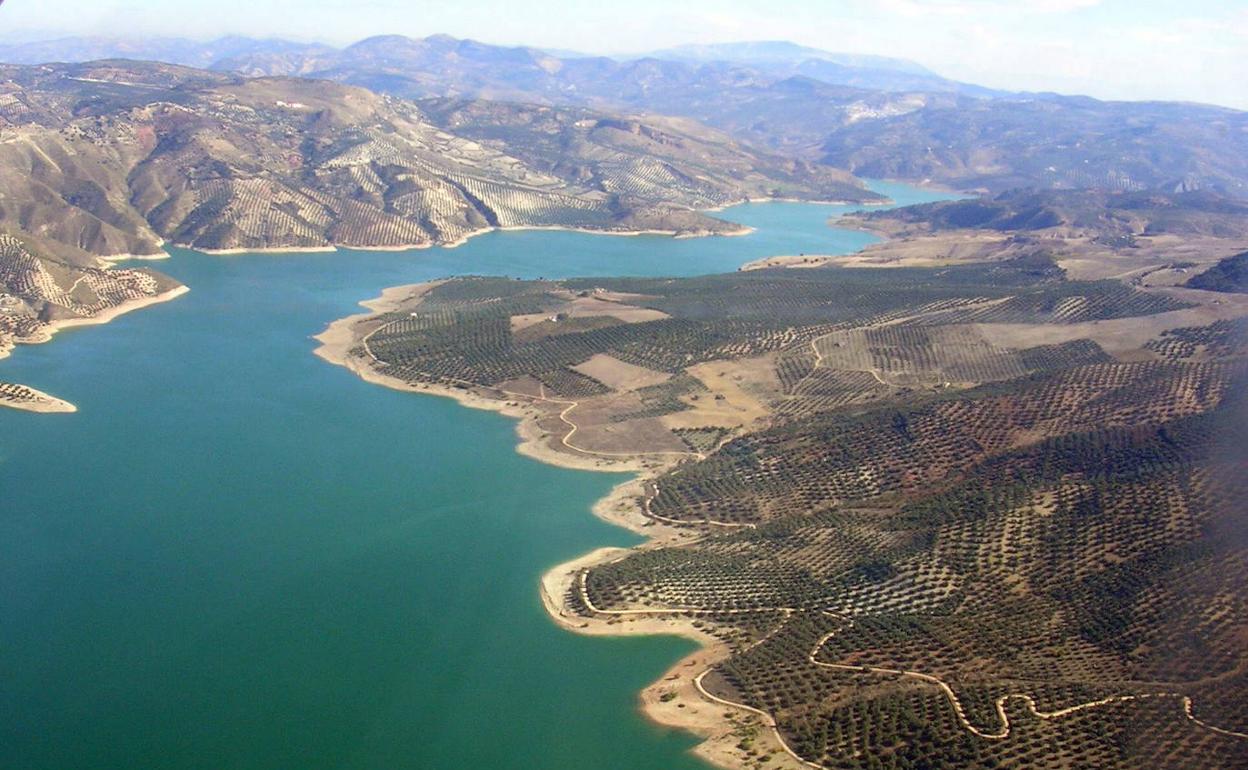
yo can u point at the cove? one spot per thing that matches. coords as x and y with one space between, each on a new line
236 555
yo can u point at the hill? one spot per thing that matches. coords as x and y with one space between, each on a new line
1108 216
1149 238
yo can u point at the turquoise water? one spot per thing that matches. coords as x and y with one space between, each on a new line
238 556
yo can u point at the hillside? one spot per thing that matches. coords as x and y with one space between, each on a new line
1108 216
116 157
1228 275
649 158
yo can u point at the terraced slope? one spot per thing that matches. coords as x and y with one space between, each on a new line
1009 589
114 157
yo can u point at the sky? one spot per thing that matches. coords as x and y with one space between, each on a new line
1193 50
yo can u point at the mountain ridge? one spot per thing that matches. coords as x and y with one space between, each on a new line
117 157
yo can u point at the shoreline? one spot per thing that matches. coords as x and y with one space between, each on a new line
155 256
53 327
460 241
885 201
262 250
338 338
105 316
51 404
675 700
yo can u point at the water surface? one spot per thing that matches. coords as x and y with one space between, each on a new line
238 556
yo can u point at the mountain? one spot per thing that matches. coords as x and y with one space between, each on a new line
117 157
881 118
281 57
652 158
926 131
1049 141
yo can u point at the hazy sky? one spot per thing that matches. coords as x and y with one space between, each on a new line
1129 49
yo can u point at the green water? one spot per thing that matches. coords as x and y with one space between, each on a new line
238 556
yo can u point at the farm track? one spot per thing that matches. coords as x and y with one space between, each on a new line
874 372
1027 700
569 406
948 691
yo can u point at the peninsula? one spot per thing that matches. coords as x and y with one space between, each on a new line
900 508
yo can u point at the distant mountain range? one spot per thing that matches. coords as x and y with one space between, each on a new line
270 55
782 52
170 50
872 116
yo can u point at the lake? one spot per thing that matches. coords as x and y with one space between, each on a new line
236 555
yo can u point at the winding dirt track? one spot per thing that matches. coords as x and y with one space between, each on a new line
1027 701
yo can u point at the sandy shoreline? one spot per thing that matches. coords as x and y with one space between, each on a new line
153 257
675 700
261 250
